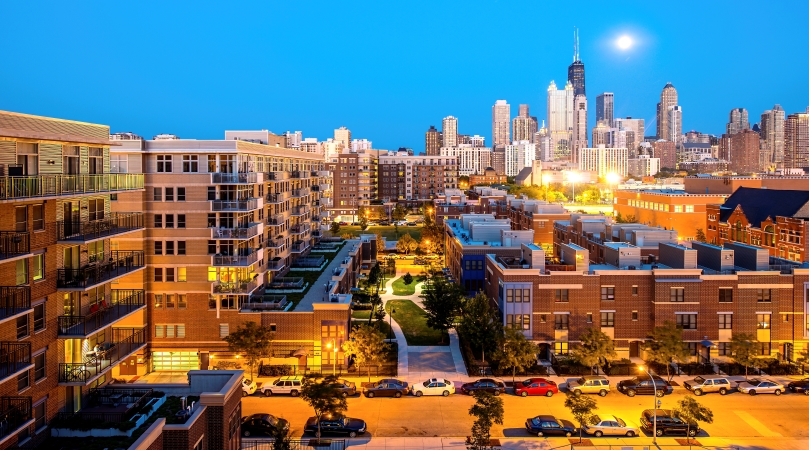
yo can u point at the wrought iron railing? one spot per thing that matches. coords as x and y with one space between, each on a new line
234 205
120 263
235 233
243 259
123 303
125 341
14 413
59 184
93 229
14 356
14 300
235 287
234 178
14 243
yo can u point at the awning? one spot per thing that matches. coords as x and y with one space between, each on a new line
707 343
300 352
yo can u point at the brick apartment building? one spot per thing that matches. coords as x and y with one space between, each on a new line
727 185
354 183
772 219
413 179
538 216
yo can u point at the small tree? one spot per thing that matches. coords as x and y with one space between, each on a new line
744 350
321 394
253 340
406 244
666 345
334 228
281 438
368 346
595 345
479 323
692 412
407 278
487 410
374 277
363 222
581 407
516 352
700 235
441 301
399 213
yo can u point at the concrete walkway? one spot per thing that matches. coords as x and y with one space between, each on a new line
317 292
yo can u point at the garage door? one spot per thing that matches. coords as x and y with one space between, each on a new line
175 361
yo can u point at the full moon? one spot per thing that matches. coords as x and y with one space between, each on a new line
624 42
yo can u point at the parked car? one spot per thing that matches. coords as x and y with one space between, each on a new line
285 385
800 386
489 385
667 423
604 425
434 386
345 387
755 386
401 223
535 386
372 224
411 224
335 425
261 425
342 224
248 387
549 426
384 223
386 388
703 385
589 384
644 385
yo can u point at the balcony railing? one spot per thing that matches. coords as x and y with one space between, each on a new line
299 246
277 197
14 357
116 223
243 259
299 193
120 264
299 229
102 314
300 210
14 243
14 300
300 174
234 205
278 176
125 341
236 233
58 184
14 413
276 265
235 287
277 243
265 303
234 178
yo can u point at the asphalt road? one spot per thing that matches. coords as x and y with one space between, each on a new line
736 415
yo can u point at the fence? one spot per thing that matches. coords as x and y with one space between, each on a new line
295 444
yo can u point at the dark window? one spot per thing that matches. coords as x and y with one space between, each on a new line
169 247
23 381
158 274
169 194
39 217
39 366
169 220
22 326
724 348
164 163
190 163
687 321
634 290
158 194
180 220
211 247
180 194
39 317
607 293
764 295
607 319
561 321
725 295
158 221
677 294
170 275
561 296
765 349
40 419
158 247
725 321
634 315
181 247
211 192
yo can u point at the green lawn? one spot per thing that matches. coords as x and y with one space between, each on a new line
400 288
413 321
388 232
361 317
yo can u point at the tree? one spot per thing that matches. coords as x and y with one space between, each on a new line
487 410
399 213
666 344
363 221
407 278
700 235
334 228
516 352
479 323
374 277
368 346
692 412
380 243
744 350
281 438
319 393
582 407
595 345
253 340
406 244
441 301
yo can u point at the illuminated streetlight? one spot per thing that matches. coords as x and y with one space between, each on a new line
573 177
654 387
333 344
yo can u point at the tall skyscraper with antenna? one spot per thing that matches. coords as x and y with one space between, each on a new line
575 72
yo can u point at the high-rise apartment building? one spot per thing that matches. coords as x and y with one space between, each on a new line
311 145
560 120
501 124
666 151
449 131
741 151
737 121
343 136
772 133
675 124
575 72
470 160
601 134
605 108
796 141
359 145
524 126
543 142
293 139
432 141
415 178
604 161
477 141
579 124
498 156
519 155
638 128
668 99
331 148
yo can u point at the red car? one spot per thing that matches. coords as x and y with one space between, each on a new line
536 386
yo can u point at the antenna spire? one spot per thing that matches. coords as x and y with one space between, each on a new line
575 44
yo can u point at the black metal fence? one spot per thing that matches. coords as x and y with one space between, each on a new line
13 243
120 263
295 444
14 300
14 356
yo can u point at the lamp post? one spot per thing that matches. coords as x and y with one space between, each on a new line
573 177
390 322
333 344
654 387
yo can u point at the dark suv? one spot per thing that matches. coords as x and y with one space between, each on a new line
667 423
644 385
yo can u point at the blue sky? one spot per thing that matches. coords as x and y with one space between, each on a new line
388 70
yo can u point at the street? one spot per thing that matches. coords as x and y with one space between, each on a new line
736 415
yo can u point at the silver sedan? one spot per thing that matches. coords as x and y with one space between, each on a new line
604 425
755 386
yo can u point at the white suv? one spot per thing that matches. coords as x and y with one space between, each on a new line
283 385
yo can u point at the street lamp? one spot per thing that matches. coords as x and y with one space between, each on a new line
390 322
613 179
333 344
654 387
573 177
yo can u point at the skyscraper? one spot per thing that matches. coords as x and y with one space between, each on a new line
637 126
738 121
524 126
675 123
575 72
343 136
449 131
772 133
432 141
501 124
579 125
668 98
796 141
560 119
605 109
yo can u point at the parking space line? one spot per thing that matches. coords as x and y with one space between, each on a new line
758 426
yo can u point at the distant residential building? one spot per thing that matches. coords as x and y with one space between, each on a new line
311 145
125 136
667 152
292 139
604 160
449 131
605 108
536 215
499 160
738 121
796 141
704 166
524 126
477 141
772 134
675 123
741 150
489 176
697 137
543 143
433 141
331 148
579 124
668 99
343 136
405 177
470 159
254 136
519 154
637 126
560 120
358 145
501 124
643 166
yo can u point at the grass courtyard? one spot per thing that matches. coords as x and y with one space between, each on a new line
400 288
388 232
413 321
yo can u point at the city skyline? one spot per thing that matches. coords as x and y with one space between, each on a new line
200 96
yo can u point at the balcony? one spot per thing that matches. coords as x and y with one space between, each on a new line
236 178
252 230
299 246
120 263
300 210
276 265
15 357
250 204
300 193
14 300
14 244
300 174
275 243
235 287
125 341
16 414
299 229
260 303
277 198
277 176
124 302
244 258
71 232
278 219
56 185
